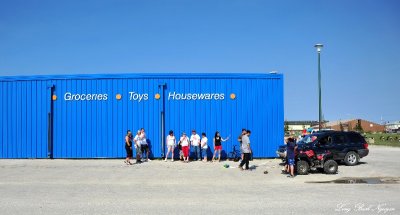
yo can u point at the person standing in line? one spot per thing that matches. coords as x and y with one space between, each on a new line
246 151
290 149
195 143
240 143
204 146
218 145
136 140
171 142
143 144
128 148
184 141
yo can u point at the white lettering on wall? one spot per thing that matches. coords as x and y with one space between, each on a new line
195 96
133 96
85 97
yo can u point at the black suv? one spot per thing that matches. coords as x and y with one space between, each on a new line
344 146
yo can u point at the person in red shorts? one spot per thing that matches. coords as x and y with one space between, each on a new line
184 141
218 145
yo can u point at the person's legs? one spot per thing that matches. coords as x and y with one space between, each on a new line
215 151
138 153
166 155
219 155
247 155
242 162
291 166
291 170
147 152
198 155
204 153
172 152
185 150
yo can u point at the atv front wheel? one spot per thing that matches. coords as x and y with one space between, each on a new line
330 167
302 167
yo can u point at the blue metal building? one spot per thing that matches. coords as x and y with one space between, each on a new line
87 116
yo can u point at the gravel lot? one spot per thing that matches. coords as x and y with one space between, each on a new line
158 187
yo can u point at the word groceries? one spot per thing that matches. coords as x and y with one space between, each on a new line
133 96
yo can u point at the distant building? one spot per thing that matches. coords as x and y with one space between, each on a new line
298 126
351 125
393 126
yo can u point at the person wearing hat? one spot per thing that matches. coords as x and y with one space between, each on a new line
195 143
184 141
171 142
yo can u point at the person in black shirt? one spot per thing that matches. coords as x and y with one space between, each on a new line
128 147
218 145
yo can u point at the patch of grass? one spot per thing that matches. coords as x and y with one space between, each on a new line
383 139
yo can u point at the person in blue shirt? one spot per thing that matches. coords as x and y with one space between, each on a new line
290 155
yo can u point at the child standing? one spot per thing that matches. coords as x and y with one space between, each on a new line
204 146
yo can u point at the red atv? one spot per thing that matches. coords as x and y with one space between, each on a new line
307 159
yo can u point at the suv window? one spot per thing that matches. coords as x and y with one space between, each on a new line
355 138
339 139
325 140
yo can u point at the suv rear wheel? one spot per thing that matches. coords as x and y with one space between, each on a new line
351 159
302 167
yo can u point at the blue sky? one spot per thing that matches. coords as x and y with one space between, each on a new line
360 61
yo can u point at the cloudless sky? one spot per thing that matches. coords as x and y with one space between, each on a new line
360 60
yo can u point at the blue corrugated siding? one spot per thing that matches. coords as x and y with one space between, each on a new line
23 116
94 129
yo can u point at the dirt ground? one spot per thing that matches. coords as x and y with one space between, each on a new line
158 187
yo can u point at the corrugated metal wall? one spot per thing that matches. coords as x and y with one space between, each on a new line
94 129
23 116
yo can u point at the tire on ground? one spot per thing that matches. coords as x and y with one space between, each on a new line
351 158
302 167
330 167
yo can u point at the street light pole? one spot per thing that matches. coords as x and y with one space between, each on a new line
319 47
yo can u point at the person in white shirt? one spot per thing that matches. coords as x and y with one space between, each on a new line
144 147
195 143
204 146
171 142
137 140
184 141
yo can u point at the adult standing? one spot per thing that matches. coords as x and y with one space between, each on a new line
128 147
143 144
218 145
195 143
137 142
184 141
171 142
240 142
246 151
